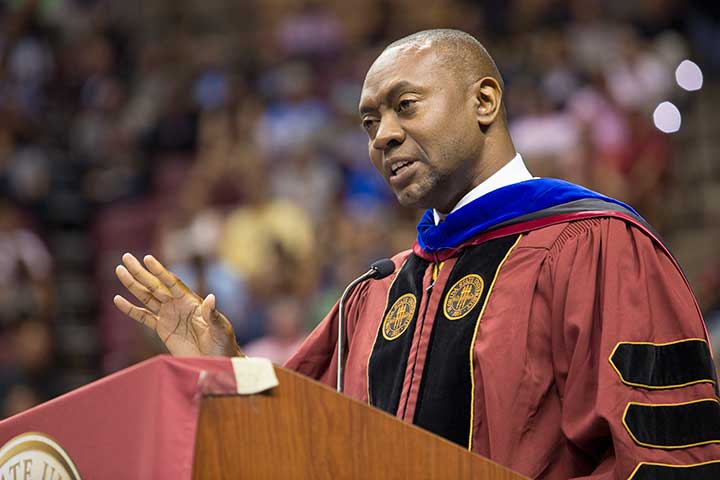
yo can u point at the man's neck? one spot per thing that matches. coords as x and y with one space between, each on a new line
513 171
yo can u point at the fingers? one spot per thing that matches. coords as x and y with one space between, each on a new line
138 314
145 278
176 287
140 292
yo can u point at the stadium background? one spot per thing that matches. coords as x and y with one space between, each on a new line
223 137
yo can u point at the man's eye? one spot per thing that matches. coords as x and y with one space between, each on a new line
405 104
368 124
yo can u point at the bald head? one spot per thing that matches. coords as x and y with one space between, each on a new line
460 52
432 106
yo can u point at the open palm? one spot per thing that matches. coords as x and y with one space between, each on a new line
185 322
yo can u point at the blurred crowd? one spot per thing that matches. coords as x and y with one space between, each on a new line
223 137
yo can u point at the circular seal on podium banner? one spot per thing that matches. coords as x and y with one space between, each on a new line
36 456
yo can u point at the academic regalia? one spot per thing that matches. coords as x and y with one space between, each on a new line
543 326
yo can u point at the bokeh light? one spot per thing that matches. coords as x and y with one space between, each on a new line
689 76
667 118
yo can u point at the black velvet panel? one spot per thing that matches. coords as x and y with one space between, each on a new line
674 426
386 369
708 471
445 396
664 366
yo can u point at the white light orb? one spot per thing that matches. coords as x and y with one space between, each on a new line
689 76
667 118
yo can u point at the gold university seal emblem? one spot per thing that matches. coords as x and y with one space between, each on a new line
399 316
35 456
463 296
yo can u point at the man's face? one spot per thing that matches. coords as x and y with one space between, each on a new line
423 135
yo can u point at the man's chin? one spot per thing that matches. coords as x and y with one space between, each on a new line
413 200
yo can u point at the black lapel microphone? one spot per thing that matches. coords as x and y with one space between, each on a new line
379 269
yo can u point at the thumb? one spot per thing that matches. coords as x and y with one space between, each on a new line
208 311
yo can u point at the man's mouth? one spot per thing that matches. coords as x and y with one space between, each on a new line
398 167
402 171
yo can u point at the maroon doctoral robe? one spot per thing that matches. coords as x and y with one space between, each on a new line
563 346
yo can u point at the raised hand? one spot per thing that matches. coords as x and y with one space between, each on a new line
185 322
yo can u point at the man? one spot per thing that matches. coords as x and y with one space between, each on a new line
537 323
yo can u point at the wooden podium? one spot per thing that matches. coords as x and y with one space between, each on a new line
136 424
302 429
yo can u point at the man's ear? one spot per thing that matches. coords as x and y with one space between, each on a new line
488 100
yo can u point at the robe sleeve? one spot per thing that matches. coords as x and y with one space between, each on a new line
632 363
317 356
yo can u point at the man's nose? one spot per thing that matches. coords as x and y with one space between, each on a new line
389 133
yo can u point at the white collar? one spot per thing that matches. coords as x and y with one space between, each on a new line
512 172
